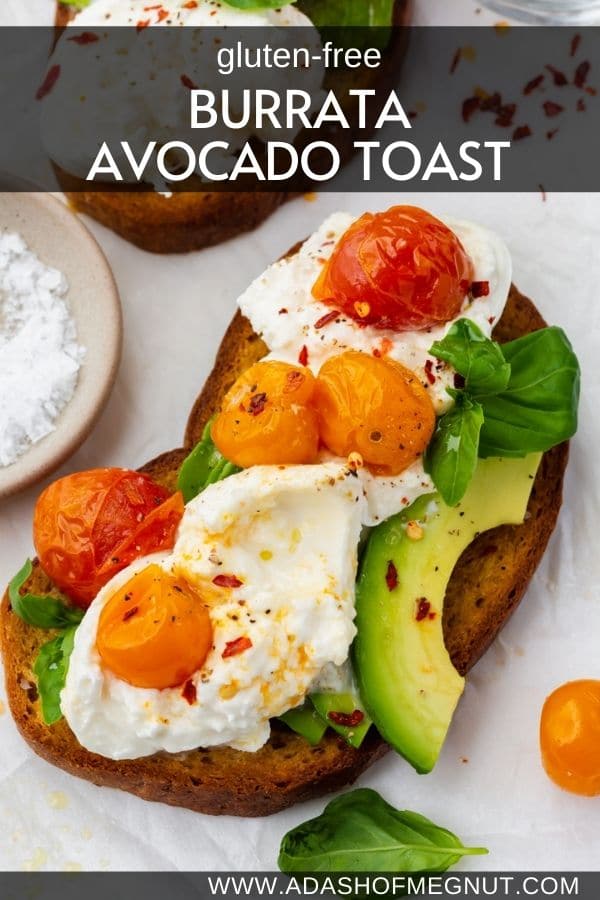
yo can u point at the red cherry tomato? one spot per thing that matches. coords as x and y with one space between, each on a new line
402 269
90 525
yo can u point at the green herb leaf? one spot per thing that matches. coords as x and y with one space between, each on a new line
360 832
50 668
348 12
451 457
306 721
538 408
40 611
80 4
204 466
474 356
258 4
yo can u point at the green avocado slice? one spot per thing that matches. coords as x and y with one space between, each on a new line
406 678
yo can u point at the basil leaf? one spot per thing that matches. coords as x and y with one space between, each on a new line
474 356
50 668
348 12
451 457
40 611
80 4
205 465
360 832
538 408
258 4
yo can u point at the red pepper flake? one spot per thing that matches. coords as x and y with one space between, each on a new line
282 311
189 692
227 581
162 14
86 37
257 403
479 289
48 82
150 8
533 84
391 576
581 73
521 132
191 4
233 648
327 318
431 615
143 23
552 109
542 192
130 612
293 381
491 103
303 356
550 134
377 352
428 373
506 114
455 61
469 107
581 107
423 607
575 42
348 720
187 82
559 78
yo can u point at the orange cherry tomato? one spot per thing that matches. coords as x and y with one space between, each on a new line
570 737
155 632
90 525
375 407
401 269
267 417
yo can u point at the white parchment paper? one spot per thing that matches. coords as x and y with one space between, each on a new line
489 786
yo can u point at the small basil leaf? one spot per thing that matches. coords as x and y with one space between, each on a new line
40 611
258 4
205 465
474 356
360 832
349 12
451 457
51 667
538 408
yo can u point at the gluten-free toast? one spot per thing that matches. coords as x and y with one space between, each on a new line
486 586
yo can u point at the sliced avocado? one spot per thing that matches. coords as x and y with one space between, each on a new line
406 678
329 705
305 721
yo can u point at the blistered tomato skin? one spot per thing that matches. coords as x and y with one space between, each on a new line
375 407
268 418
570 737
155 632
90 525
401 269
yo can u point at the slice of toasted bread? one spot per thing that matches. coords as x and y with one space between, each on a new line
189 220
486 586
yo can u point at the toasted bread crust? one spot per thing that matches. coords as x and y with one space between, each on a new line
187 220
486 586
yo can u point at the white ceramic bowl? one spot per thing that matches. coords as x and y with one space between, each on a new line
57 236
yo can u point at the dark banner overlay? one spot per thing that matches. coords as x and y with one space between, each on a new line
204 885
189 109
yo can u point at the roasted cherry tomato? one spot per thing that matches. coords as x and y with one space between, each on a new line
90 525
402 269
267 417
155 632
375 407
570 737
